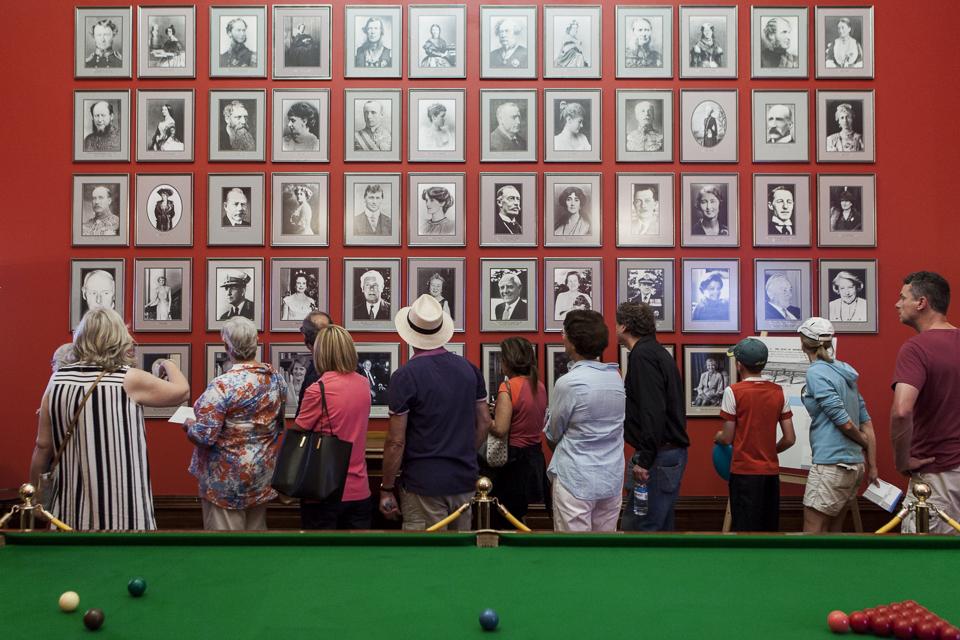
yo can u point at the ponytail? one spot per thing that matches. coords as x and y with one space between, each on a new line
823 350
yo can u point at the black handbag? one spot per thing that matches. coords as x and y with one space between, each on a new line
313 464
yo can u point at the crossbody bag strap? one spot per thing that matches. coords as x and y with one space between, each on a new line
323 409
72 425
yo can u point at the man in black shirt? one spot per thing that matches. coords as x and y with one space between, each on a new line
655 424
311 326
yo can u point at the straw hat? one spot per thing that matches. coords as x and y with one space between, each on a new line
423 324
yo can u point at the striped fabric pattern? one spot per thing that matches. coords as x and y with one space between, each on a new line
104 476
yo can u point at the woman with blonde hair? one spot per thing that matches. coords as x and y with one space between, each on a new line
841 431
237 435
91 432
339 402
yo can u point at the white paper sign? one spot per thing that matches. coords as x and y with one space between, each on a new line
885 496
182 414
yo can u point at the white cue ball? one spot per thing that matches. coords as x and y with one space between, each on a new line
69 601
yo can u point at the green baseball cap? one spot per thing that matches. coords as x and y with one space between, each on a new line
750 352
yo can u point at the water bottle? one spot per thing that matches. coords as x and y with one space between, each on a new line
640 500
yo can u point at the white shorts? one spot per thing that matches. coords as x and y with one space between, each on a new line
831 486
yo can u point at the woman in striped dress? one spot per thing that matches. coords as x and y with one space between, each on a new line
103 474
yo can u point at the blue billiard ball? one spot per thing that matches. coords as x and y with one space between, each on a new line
489 619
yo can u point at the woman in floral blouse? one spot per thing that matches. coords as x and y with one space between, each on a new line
237 435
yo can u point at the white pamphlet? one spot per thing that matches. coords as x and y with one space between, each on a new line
886 496
181 414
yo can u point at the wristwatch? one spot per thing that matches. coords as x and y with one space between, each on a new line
388 489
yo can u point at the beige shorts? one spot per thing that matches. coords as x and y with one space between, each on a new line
830 487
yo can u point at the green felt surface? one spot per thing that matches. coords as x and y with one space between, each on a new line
396 586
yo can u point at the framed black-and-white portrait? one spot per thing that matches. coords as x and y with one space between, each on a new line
300 209
442 278
235 209
101 126
644 125
707 371
436 124
234 288
781 126
708 126
238 41
238 125
437 46
778 42
162 294
572 209
149 357
217 361
165 126
848 294
373 42
557 364
570 284
711 208
103 41
847 210
644 41
458 348
783 294
163 213
571 41
508 42
571 125
845 128
167 42
508 125
781 210
708 42
649 282
301 125
371 209
297 287
645 210
291 359
371 293
625 356
376 362
711 296
95 284
436 209
844 37
371 125
493 375
509 294
101 210
508 209
301 42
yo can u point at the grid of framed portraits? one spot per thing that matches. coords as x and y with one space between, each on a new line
444 209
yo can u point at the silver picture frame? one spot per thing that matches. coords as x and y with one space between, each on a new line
571 41
147 357
508 125
848 295
163 294
570 284
237 125
238 41
437 55
366 113
711 295
649 281
644 41
508 209
708 126
300 209
234 287
291 360
572 209
301 125
847 55
708 41
572 125
370 52
436 209
96 284
855 143
101 126
159 139
101 210
782 294
646 210
779 46
235 209
444 279
847 210
781 126
371 282
372 209
508 285
556 365
298 286
163 210
703 387
508 42
645 125
103 42
782 210
710 205
384 359
217 360
302 52
168 42
436 125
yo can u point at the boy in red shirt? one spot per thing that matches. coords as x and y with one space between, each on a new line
751 410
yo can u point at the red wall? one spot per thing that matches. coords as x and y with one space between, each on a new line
917 132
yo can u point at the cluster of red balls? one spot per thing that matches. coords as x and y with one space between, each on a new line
905 620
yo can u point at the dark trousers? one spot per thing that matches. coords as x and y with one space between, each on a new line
517 483
335 514
754 502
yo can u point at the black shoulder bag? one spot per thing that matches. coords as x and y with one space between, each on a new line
313 464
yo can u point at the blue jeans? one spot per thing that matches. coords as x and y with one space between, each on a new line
663 487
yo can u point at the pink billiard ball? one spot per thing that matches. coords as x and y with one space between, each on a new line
838 622
859 622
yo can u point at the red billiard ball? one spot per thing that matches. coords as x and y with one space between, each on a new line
926 631
859 622
880 625
838 622
903 629
950 633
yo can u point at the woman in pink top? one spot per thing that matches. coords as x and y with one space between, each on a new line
519 412
348 406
